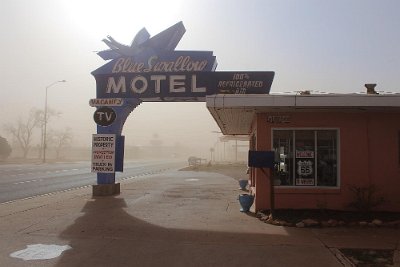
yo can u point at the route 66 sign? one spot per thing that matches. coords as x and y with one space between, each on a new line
304 167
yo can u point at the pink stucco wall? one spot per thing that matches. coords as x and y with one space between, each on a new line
368 155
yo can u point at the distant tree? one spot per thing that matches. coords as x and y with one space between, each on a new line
23 130
5 148
61 140
50 113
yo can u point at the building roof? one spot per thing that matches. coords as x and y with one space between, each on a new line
234 113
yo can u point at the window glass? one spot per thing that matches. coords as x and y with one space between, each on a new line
305 157
283 146
327 158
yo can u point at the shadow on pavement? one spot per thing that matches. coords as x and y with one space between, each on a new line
106 235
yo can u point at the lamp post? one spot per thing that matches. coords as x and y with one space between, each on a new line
45 119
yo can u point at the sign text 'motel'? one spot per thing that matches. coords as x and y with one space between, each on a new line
180 86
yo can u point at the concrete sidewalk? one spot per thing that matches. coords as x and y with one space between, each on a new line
178 218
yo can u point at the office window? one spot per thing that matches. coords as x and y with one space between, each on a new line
305 157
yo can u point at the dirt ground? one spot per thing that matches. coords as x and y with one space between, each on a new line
234 170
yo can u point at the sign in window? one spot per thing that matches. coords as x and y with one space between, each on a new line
305 157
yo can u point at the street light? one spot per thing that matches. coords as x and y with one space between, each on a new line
45 119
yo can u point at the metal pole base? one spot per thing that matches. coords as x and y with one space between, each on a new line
106 189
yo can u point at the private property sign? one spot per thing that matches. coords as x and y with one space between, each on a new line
103 153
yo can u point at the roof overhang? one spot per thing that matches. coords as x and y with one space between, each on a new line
234 113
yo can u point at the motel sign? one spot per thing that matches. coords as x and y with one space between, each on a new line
151 70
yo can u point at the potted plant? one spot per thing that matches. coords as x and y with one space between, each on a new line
243 184
246 201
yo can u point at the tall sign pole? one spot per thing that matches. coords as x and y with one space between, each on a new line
108 143
44 142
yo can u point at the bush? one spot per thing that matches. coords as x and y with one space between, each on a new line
365 198
5 148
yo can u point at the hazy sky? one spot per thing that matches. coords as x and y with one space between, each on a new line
332 46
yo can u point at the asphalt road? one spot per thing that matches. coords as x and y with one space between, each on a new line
19 181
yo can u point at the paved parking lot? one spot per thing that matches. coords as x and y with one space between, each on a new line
177 218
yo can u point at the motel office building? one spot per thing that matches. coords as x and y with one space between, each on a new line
324 146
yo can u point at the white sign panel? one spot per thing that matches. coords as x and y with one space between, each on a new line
106 102
103 153
303 181
307 154
304 167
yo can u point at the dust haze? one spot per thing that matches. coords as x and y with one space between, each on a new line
153 130
333 47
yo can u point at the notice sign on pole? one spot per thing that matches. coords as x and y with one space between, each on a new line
103 153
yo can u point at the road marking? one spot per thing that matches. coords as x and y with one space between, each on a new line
41 172
29 181
157 171
46 194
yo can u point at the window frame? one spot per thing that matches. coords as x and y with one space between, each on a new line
398 146
316 186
